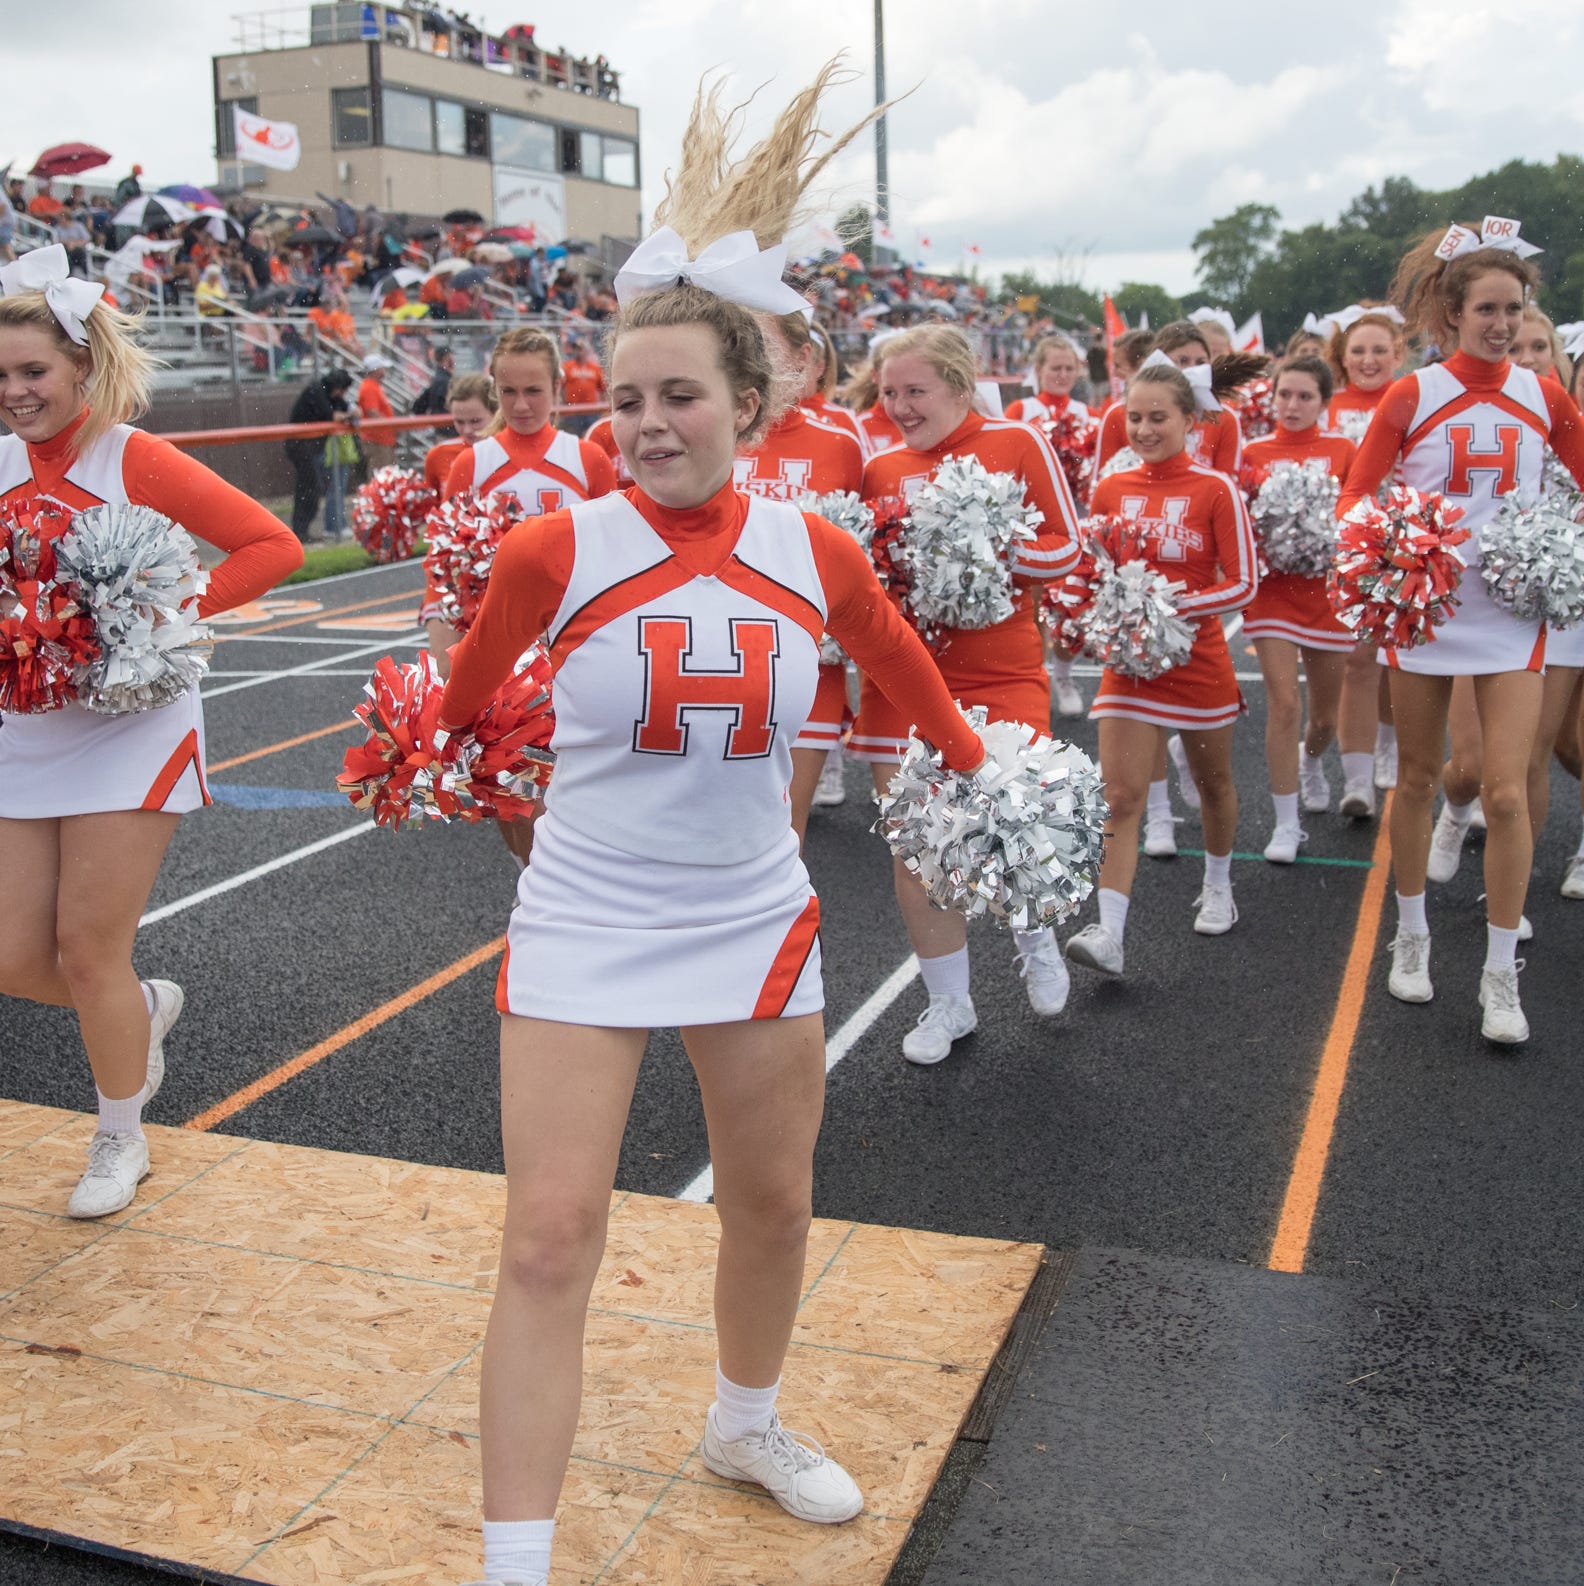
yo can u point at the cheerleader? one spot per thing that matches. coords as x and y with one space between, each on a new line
861 396
927 385
1367 349
88 802
472 404
1539 347
1197 533
667 890
601 434
1290 619
801 456
822 388
1570 740
1474 429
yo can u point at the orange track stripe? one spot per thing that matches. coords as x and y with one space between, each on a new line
249 1094
1291 1243
285 743
319 616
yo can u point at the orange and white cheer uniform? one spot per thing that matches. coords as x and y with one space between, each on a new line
828 412
876 430
666 886
74 761
803 456
1046 407
1197 533
602 435
1001 667
1288 605
1215 441
1349 411
1474 431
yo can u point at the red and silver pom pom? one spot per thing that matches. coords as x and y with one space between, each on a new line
1532 560
964 528
139 575
47 637
1020 840
1294 515
848 511
390 511
1074 437
491 770
464 533
1257 409
1121 461
1397 568
1120 610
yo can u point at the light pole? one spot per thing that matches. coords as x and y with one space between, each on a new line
882 182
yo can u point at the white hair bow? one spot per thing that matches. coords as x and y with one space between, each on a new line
1347 318
1198 376
733 267
1572 338
1496 231
1215 316
1319 325
46 270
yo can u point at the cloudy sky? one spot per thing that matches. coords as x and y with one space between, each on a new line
1054 134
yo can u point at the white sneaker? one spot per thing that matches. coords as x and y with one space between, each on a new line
1069 702
1096 948
1386 766
1525 929
832 785
1498 995
1477 821
1160 834
793 1469
1358 801
117 1164
1285 842
1217 912
168 1002
1186 786
1446 847
1045 977
945 1020
1410 970
1573 878
1314 791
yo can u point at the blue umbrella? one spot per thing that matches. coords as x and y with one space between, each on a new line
557 252
197 197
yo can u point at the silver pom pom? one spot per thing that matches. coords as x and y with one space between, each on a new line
1354 423
957 551
1294 515
1130 623
1532 560
1121 462
139 576
850 513
1019 840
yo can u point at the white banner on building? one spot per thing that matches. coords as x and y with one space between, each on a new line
261 142
529 198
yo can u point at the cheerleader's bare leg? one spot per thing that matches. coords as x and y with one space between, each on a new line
565 1093
1420 705
1509 710
1129 758
1278 663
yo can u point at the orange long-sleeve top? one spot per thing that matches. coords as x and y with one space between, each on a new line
820 406
260 549
1296 446
876 430
1216 440
528 453
1044 405
1349 400
583 382
533 567
800 456
1004 448
1382 446
438 460
601 434
373 403
1196 530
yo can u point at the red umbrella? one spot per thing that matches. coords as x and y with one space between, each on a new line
512 234
67 159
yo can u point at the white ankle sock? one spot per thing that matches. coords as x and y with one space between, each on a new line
1286 808
1218 869
121 1117
1580 853
1312 762
1501 947
1160 797
1385 737
1034 941
1461 813
739 1410
946 976
1358 769
1114 911
1411 914
833 757
517 1547
1061 668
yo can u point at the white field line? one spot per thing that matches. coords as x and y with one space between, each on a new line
308 668
164 912
277 638
845 1039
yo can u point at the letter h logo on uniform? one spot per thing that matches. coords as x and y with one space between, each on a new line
672 687
1503 462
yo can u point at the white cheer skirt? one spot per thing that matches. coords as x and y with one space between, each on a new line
1479 638
1565 646
606 938
73 761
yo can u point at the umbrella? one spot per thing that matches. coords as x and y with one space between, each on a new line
512 234
66 159
520 250
424 228
219 222
410 311
470 277
195 197
557 252
493 252
405 276
451 267
142 213
346 217
310 234
269 297
463 217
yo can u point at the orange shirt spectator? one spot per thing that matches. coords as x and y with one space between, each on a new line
585 381
44 205
374 404
434 291
336 324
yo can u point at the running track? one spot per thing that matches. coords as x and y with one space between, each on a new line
1256 1100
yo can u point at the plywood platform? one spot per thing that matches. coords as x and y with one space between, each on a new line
267 1368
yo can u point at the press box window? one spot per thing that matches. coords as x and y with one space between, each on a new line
450 128
590 161
529 145
620 162
350 117
409 120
